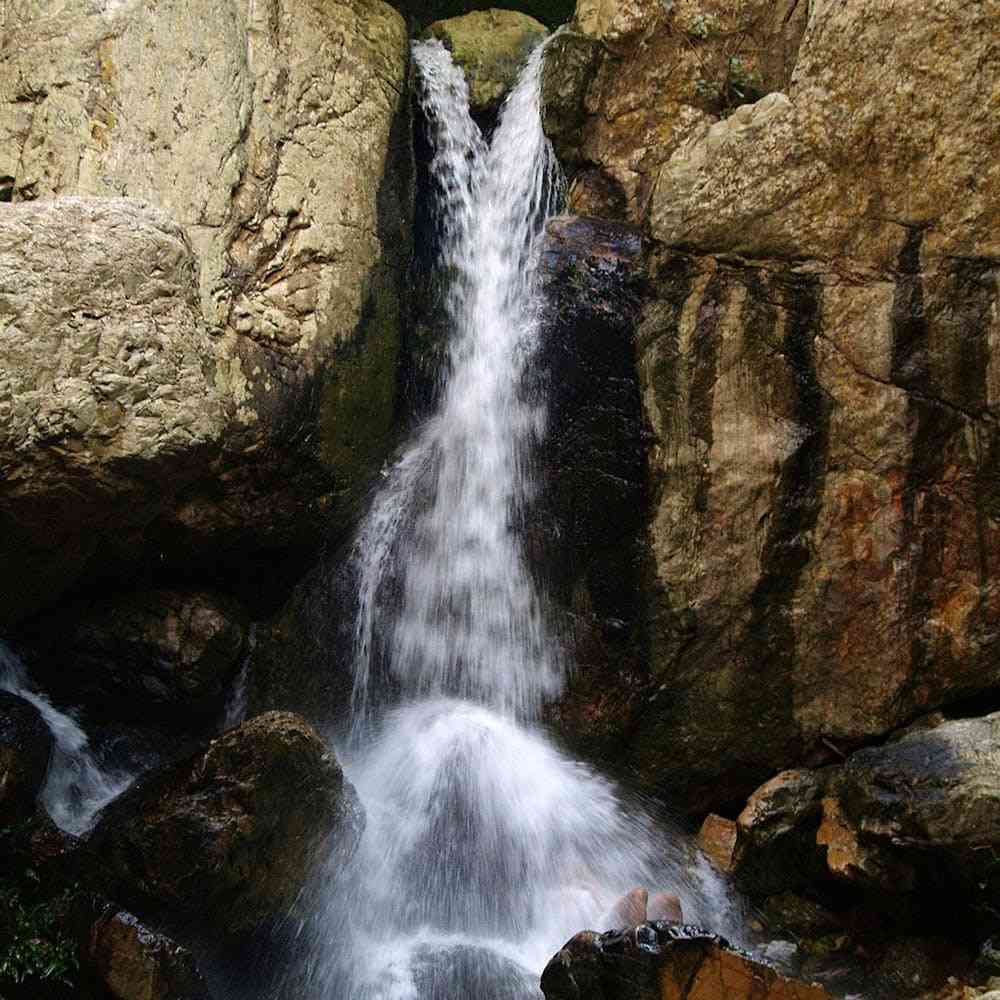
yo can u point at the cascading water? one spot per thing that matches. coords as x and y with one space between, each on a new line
77 787
486 847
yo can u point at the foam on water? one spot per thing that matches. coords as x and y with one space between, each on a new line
77 787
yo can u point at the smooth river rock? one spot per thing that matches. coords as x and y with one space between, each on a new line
228 836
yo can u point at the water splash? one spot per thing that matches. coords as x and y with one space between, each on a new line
486 847
76 787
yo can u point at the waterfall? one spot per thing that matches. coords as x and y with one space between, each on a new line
76 787
486 847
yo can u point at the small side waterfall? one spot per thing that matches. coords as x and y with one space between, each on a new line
77 787
486 847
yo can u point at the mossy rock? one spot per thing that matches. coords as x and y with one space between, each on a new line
491 46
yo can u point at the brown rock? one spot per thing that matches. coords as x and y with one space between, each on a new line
628 83
776 834
150 655
133 962
717 838
662 962
230 834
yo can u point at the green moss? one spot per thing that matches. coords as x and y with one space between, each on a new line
420 13
358 402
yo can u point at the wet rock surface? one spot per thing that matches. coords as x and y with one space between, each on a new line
25 748
157 656
228 836
585 529
134 962
657 961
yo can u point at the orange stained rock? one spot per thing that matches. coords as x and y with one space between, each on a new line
724 975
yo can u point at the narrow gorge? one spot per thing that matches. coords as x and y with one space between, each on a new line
499 503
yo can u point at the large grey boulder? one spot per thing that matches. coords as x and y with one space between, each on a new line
276 136
107 402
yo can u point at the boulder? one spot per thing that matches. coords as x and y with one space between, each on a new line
227 836
926 807
660 961
147 656
776 847
25 747
253 418
134 962
821 456
491 46
815 370
107 402
627 84
783 178
717 840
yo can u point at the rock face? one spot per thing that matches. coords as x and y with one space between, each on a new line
628 83
25 746
816 366
159 654
133 962
107 404
491 46
664 962
228 836
276 136
589 511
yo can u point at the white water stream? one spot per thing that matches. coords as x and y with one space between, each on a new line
486 847
76 787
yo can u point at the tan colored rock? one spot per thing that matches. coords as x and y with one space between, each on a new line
630 909
491 47
781 180
717 838
630 82
107 402
821 466
665 906
276 135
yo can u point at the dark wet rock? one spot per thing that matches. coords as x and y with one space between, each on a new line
586 526
921 812
25 747
661 961
134 962
775 847
228 836
154 655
